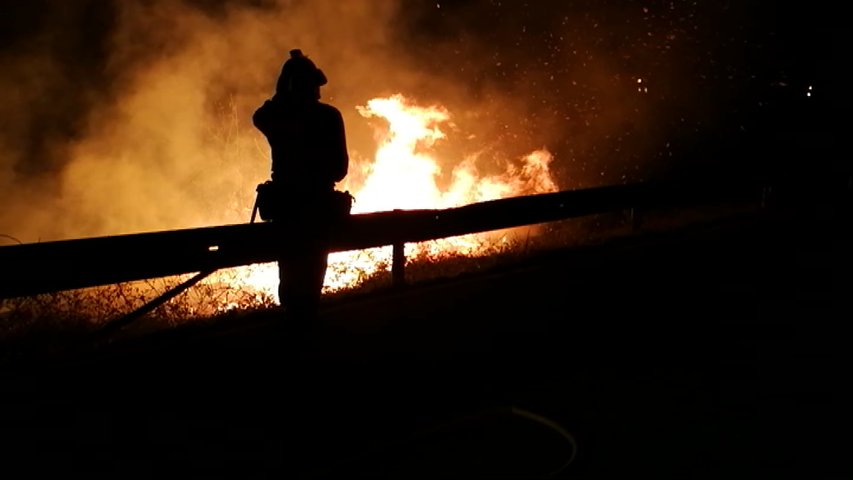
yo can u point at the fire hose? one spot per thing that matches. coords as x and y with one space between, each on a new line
563 444
128 318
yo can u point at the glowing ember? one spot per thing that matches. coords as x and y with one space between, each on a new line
404 175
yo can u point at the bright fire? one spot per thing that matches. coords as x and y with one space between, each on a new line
404 175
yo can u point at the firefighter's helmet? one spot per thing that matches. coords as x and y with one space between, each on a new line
299 73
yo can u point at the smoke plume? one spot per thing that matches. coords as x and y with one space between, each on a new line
122 117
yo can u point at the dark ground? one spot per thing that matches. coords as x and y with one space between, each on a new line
716 351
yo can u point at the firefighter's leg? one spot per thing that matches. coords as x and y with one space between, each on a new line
316 263
301 282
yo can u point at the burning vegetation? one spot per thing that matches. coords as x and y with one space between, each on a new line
405 174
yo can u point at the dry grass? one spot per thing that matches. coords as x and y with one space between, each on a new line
53 321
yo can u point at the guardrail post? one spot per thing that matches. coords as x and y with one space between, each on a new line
636 219
398 264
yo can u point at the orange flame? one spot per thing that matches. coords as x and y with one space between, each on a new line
404 175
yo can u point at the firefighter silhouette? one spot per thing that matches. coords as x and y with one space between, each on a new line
309 155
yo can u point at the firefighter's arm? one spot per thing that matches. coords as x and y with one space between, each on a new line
263 117
340 154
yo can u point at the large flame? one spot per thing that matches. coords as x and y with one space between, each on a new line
404 175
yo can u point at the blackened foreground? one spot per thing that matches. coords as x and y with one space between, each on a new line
714 352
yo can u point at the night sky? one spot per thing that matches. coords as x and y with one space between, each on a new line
619 91
727 81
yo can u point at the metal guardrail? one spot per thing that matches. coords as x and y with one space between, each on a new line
35 268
